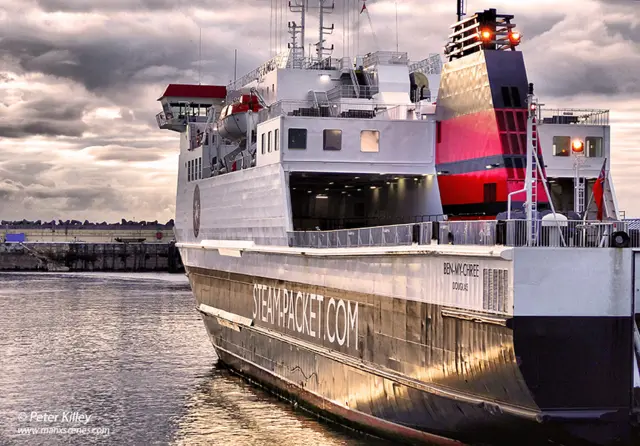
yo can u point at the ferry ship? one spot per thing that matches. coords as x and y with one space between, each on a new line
420 250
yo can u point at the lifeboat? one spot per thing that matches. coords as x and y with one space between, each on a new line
235 118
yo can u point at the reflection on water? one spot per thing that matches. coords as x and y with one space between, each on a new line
124 359
243 414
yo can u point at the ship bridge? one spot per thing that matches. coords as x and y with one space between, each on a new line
184 103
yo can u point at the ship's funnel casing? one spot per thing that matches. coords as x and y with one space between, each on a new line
481 141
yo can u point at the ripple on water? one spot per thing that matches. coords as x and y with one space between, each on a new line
131 351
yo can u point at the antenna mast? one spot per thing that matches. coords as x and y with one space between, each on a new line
297 46
461 13
320 49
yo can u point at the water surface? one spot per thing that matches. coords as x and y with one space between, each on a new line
95 358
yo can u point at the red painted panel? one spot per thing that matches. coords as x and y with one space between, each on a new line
468 188
466 137
487 133
195 91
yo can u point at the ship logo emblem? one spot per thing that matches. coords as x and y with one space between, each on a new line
196 211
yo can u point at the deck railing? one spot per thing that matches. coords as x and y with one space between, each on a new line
349 92
396 235
574 116
573 234
337 109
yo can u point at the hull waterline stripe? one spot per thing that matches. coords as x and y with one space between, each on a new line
390 375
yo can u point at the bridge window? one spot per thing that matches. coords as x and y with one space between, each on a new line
561 145
264 146
276 140
332 139
269 142
297 139
594 147
369 141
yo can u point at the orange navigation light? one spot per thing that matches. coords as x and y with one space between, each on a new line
485 34
577 146
514 37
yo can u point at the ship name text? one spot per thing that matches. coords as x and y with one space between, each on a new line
461 269
315 315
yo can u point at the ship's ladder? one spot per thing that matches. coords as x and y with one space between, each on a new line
354 81
534 180
321 102
580 195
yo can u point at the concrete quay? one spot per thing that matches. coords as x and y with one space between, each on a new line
88 247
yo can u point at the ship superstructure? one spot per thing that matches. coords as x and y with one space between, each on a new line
415 248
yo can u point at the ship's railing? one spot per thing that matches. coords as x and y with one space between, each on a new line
285 60
349 92
386 58
396 235
335 109
332 224
574 116
278 61
572 234
430 65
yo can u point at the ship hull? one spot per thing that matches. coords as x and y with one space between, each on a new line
387 383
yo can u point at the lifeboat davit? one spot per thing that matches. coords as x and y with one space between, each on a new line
234 118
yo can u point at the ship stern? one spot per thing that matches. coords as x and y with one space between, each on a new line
573 331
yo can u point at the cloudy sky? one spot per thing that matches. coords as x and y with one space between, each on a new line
79 81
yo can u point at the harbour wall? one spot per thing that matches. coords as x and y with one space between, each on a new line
90 235
90 256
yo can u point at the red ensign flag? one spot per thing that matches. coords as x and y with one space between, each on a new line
598 190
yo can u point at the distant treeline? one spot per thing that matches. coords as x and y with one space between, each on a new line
77 224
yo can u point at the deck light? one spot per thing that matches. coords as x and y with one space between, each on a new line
577 146
514 37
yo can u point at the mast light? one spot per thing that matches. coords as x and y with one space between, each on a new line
577 146
514 37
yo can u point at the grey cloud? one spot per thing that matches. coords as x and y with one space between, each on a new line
96 64
114 5
533 27
625 29
21 130
126 52
53 115
125 154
